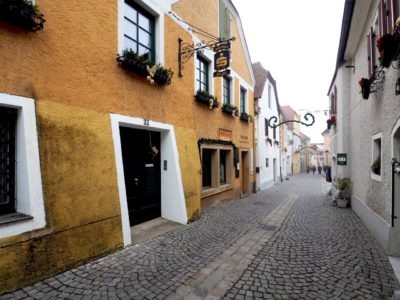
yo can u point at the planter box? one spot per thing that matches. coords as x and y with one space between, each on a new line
206 100
230 111
342 203
132 65
21 14
245 118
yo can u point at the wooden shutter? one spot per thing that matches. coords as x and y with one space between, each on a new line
224 21
370 53
382 18
392 7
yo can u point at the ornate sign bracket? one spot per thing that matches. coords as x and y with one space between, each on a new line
186 50
309 117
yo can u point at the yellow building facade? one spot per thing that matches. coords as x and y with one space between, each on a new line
101 144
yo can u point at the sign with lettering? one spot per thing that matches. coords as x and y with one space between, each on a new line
342 159
225 135
222 59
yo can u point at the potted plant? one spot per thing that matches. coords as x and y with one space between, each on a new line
365 87
206 98
230 109
246 117
376 165
386 45
142 66
343 193
22 13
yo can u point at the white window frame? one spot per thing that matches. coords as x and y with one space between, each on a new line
155 10
207 55
231 90
28 177
246 99
374 153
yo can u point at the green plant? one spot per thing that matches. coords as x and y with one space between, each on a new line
342 183
129 53
376 165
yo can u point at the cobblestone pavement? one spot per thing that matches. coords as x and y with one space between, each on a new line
283 243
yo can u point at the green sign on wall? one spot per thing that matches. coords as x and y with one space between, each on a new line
342 159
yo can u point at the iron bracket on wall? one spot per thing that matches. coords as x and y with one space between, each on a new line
309 117
187 50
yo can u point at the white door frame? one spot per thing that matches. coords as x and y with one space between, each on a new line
173 205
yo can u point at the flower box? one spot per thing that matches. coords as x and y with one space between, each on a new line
387 46
205 98
140 65
246 117
22 13
230 109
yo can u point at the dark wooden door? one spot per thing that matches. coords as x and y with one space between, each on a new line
142 171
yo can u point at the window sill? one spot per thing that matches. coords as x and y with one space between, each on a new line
13 218
376 177
212 191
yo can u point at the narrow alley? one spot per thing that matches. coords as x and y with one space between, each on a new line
287 242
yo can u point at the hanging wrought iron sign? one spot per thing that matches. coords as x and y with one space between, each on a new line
309 117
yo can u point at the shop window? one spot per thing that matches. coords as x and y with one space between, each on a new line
217 168
202 79
226 90
139 30
376 160
21 196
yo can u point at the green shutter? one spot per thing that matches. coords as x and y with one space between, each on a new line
224 21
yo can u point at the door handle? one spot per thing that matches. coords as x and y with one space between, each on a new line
136 181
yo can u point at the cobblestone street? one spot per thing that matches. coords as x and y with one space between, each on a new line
287 242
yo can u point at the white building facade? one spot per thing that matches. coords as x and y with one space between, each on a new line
365 116
268 139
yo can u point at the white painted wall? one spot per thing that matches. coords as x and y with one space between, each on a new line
264 149
173 205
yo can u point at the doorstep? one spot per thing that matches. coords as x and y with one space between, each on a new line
150 229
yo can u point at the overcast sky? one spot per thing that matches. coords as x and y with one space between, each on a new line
297 41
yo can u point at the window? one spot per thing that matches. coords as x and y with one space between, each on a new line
222 167
376 157
269 96
333 102
226 90
202 67
21 196
266 127
217 168
206 168
224 21
267 162
139 32
274 133
8 118
242 100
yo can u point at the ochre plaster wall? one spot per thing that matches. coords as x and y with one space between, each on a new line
69 68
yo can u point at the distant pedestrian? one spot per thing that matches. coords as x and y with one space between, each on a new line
319 169
314 169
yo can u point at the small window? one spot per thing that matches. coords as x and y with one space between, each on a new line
226 90
139 31
243 93
217 169
267 162
376 156
202 67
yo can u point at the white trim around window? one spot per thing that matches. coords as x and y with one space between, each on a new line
28 178
375 151
152 8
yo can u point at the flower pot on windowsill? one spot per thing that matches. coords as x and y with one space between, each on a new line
22 13
230 110
246 117
387 47
205 98
163 76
